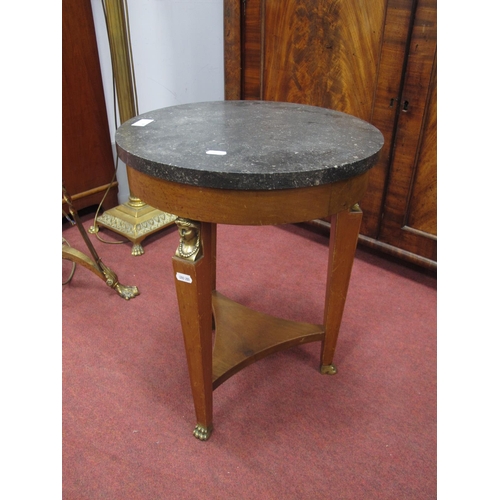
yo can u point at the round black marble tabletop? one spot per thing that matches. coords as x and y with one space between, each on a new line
248 145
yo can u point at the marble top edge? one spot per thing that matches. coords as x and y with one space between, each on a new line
248 145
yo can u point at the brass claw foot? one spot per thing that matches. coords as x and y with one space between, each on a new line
126 292
202 433
137 249
328 370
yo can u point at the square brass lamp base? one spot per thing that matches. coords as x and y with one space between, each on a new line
135 221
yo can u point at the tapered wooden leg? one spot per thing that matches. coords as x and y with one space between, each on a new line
213 258
343 240
213 253
194 282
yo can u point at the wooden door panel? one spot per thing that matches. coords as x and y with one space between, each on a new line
87 155
232 50
324 53
384 116
253 43
422 212
410 206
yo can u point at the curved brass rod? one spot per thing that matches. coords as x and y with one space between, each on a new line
101 271
74 255
95 264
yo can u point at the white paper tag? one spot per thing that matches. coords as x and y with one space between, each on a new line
142 122
184 277
214 152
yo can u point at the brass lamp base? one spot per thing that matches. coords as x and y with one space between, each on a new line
135 221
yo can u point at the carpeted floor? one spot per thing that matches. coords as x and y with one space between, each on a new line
281 430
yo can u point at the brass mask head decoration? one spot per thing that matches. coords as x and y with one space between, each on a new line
189 244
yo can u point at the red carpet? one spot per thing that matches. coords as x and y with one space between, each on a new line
281 430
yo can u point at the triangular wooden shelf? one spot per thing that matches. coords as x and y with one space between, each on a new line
244 336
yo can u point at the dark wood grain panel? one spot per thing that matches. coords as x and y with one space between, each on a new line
409 142
252 49
397 31
345 56
422 213
232 49
323 53
87 158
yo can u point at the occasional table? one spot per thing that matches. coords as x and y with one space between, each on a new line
248 163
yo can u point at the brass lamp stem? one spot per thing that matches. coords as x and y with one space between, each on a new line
135 220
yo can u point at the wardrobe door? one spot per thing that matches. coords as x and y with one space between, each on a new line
410 208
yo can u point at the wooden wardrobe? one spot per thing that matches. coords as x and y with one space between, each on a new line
375 59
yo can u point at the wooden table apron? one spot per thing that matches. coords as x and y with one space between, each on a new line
201 306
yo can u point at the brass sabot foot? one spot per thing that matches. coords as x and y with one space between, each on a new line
328 370
202 433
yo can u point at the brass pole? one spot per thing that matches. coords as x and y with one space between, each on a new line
120 58
135 220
